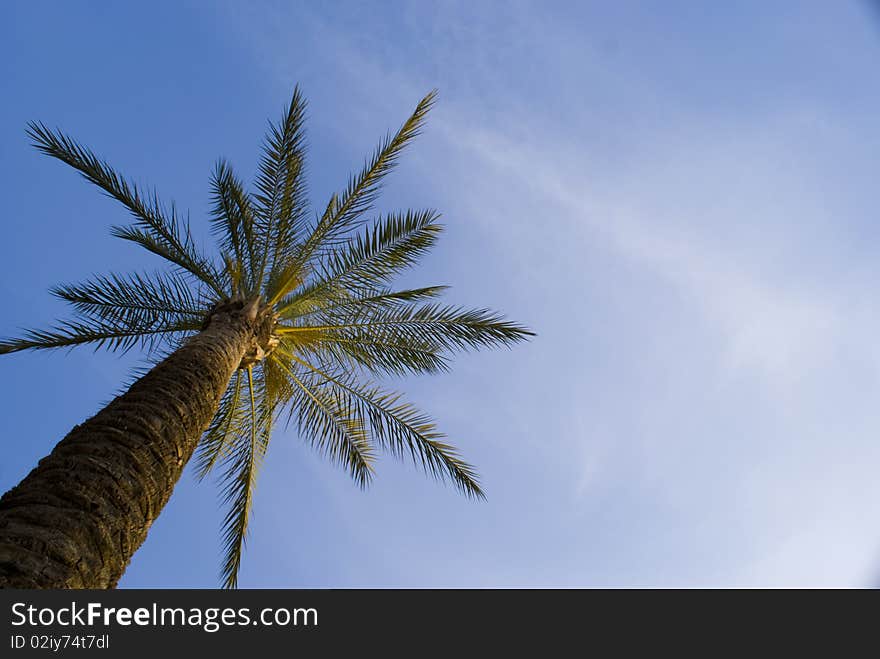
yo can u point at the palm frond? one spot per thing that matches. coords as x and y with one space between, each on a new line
369 260
384 250
452 328
135 298
283 281
242 463
316 299
154 229
333 429
233 273
344 212
398 427
115 336
232 221
378 356
228 423
281 189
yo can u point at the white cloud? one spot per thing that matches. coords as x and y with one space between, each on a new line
727 408
775 317
781 319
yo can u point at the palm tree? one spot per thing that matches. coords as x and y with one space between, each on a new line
290 321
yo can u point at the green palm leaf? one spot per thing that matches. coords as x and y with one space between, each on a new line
134 298
397 426
154 229
241 466
232 220
113 335
344 212
281 203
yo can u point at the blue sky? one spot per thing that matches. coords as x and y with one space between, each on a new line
679 198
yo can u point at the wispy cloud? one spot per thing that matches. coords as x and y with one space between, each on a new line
706 359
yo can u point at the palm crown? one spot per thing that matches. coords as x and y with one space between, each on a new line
319 287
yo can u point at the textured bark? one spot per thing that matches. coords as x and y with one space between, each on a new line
77 518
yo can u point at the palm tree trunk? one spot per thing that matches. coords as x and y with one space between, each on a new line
77 518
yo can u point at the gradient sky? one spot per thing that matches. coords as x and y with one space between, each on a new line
679 197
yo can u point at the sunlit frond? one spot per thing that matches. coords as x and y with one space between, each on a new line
397 426
281 202
366 262
453 328
241 465
115 336
137 299
387 298
282 282
232 221
159 232
228 423
330 427
383 250
319 300
345 211
377 355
